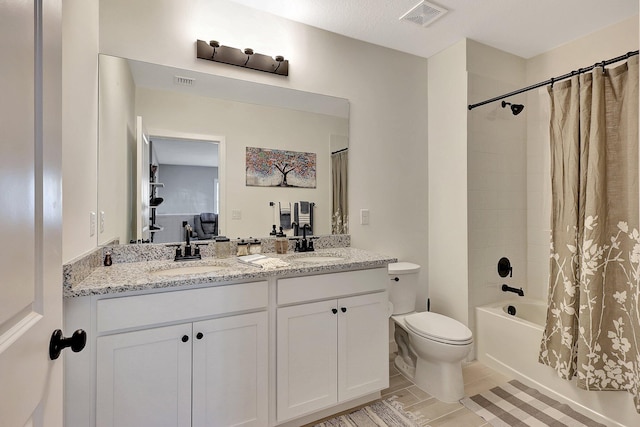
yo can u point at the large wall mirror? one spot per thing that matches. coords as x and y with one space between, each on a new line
173 148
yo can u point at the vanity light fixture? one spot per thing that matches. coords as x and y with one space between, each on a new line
246 58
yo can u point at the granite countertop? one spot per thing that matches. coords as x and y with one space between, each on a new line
136 276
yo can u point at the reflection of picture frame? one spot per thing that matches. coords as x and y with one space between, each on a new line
279 168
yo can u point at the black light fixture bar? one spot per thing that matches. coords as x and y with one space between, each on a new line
246 58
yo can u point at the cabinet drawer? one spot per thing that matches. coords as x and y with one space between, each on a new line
162 307
332 285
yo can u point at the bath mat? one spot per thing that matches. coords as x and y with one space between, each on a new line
381 413
515 404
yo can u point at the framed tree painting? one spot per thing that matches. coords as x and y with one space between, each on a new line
279 168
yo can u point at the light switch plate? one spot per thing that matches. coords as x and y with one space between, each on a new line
101 221
364 216
92 223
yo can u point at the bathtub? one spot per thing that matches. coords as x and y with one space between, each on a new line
510 345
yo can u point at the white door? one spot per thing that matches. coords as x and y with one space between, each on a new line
307 341
30 212
144 378
363 331
142 181
230 371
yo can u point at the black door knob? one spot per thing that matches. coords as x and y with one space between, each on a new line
58 342
343 309
199 335
334 310
185 338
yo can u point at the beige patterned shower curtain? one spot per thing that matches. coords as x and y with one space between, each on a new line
340 216
593 318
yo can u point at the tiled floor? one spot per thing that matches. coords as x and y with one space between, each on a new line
434 413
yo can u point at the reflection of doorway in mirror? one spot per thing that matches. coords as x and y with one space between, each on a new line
189 170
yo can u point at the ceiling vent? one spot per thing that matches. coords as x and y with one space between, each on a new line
183 81
424 13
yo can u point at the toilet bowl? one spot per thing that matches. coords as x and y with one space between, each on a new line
431 347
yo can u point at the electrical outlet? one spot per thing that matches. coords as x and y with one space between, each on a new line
364 216
236 214
101 221
92 223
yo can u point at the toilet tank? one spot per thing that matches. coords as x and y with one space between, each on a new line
403 286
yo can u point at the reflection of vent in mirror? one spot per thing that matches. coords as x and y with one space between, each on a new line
183 81
424 13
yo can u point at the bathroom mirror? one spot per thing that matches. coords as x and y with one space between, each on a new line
192 107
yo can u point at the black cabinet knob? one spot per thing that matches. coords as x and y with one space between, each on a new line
343 309
334 310
199 335
58 342
185 338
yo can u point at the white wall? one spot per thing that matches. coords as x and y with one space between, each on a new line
79 124
477 167
387 91
447 168
607 43
269 127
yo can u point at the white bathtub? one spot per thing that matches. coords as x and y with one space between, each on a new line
510 344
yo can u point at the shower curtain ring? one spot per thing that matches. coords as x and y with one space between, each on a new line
604 71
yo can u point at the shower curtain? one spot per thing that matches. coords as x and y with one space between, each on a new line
340 216
593 319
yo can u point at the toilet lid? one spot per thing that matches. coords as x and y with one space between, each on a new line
438 327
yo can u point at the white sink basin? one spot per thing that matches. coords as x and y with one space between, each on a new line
186 270
316 258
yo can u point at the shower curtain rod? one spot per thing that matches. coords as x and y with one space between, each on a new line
552 80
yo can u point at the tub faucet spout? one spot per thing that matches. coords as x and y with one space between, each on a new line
506 288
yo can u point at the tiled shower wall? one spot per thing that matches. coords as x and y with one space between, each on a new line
497 208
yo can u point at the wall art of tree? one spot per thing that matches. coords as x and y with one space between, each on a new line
280 168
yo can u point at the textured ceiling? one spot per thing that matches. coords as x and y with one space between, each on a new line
523 27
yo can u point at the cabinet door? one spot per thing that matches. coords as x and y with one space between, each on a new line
363 355
306 358
144 378
230 371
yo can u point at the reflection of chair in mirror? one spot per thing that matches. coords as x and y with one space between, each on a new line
205 225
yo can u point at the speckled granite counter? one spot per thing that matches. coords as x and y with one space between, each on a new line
136 276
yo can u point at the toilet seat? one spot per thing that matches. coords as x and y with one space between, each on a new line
436 327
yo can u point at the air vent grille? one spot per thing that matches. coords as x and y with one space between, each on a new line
424 13
183 81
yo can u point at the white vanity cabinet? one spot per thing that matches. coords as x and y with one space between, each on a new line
332 333
195 357
145 377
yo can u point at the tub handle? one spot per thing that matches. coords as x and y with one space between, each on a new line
504 267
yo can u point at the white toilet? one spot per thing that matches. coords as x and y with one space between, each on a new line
431 347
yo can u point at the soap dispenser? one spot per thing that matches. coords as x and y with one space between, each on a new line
243 248
282 243
255 247
222 247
